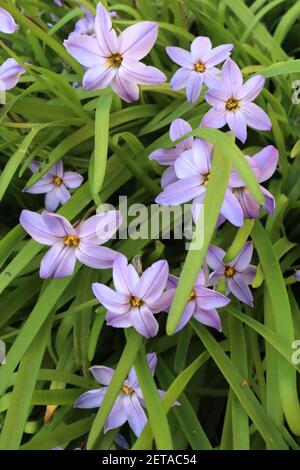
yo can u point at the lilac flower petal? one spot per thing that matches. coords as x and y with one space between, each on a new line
42 186
132 380
215 256
118 414
237 124
215 277
136 416
143 321
58 225
189 165
85 50
266 160
297 275
10 72
217 97
208 299
136 41
72 180
34 166
168 177
181 191
248 274
58 262
112 300
102 374
202 277
232 78
105 34
172 282
269 204
197 206
152 282
201 49
98 77
242 260
202 155
231 209
36 227
91 399
163 303
7 23
99 228
235 181
187 314
125 276
152 362
165 156
209 318
140 73
127 90
214 118
57 169
181 57
218 54
212 77
239 288
251 89
62 194
51 200
179 127
194 86
96 257
248 204
255 117
118 321
180 79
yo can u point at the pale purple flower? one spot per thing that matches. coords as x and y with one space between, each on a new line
238 273
135 300
10 72
192 169
115 61
7 23
202 303
263 165
197 66
85 25
167 157
297 275
232 103
70 243
55 184
129 403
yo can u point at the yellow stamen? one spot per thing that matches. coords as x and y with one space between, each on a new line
135 301
127 390
232 104
229 271
199 67
115 60
206 180
71 240
192 295
57 181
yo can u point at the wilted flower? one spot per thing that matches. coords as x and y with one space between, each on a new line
179 127
232 103
113 60
10 72
136 299
129 403
192 169
54 184
7 23
202 303
197 66
69 243
263 165
238 273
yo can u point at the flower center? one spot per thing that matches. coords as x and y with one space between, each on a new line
199 67
135 301
127 390
232 104
192 295
71 240
206 180
57 181
229 271
116 60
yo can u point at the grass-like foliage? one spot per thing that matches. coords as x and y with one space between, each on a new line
230 376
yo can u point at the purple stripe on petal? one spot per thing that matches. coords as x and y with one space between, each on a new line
62 194
214 257
128 91
58 225
180 79
242 260
51 200
136 416
181 57
112 300
187 314
136 41
35 226
10 72
248 204
165 156
125 277
85 50
237 124
179 127
209 318
99 228
214 118
163 303
44 185
208 299
217 97
118 321
140 73
255 117
96 257
168 177
269 204
251 89
239 288
58 262
105 34
102 374
118 414
72 179
181 191
266 160
144 321
7 23
98 77
232 78
194 86
152 282
248 274
172 282
91 399
201 48
217 55
231 209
